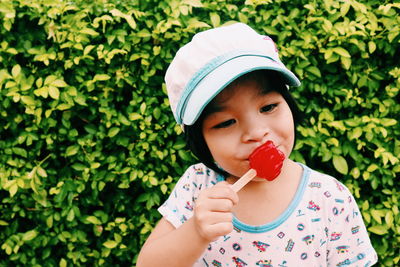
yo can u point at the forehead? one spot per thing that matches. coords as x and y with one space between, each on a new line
240 88
247 88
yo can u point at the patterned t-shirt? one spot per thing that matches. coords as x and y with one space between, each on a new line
321 227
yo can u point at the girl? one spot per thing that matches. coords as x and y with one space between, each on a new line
229 90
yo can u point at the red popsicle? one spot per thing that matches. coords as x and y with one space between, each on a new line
265 162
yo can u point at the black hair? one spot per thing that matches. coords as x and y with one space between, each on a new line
268 81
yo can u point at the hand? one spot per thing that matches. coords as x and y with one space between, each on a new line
213 211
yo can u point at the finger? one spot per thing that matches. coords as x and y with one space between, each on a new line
223 190
214 204
221 205
210 218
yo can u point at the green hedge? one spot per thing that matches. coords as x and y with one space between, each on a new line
88 145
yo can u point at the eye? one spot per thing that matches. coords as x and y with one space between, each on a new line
268 108
224 124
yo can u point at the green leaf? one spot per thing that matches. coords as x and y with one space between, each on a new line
355 172
164 188
129 19
49 79
143 108
4 75
389 219
365 205
341 51
20 152
193 3
344 8
388 122
41 171
72 150
372 167
101 77
110 244
89 32
340 164
88 49
215 19
59 83
327 25
194 23
63 263
243 17
49 221
63 106
378 229
346 62
113 132
78 166
179 144
356 133
16 70
28 100
144 33
184 155
124 120
13 189
371 47
157 113
153 181
376 214
71 215
93 220
314 70
43 92
29 235
135 116
54 92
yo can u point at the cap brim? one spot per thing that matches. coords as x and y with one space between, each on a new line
212 84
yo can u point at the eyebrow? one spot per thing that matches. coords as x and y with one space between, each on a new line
213 107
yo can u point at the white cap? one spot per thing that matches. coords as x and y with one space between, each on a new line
211 61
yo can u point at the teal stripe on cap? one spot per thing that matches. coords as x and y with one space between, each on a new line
204 71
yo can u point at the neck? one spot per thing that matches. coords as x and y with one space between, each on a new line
273 197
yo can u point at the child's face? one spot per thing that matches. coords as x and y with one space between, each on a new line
244 120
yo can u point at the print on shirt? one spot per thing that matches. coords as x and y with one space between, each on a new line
239 262
262 247
264 263
323 227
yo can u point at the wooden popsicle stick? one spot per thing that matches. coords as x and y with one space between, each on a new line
247 177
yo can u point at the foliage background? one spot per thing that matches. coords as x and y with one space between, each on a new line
88 145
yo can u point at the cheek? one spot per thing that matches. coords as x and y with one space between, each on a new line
292 136
211 144
221 150
216 146
288 131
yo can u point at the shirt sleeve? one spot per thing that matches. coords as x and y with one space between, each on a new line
178 208
348 240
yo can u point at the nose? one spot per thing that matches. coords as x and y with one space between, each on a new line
255 131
